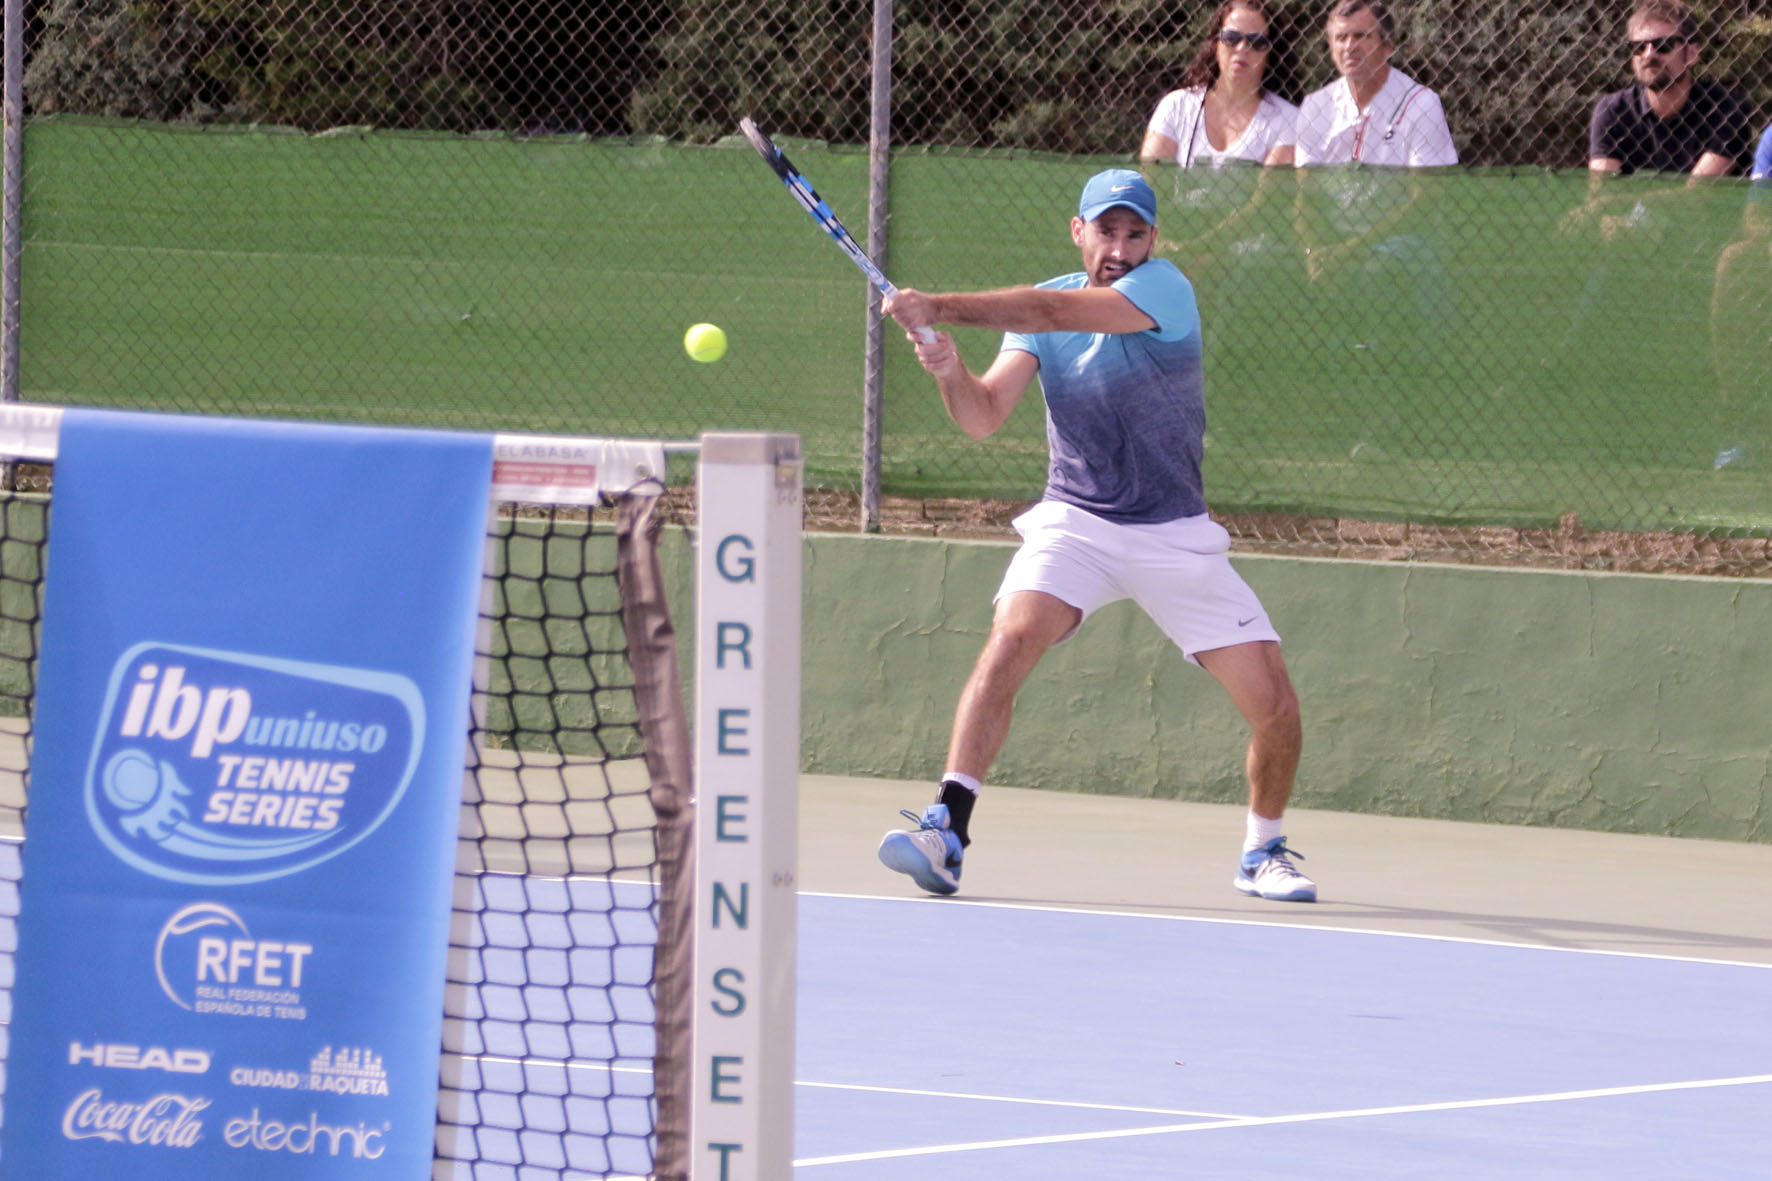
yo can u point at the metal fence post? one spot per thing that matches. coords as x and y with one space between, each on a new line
879 165
14 100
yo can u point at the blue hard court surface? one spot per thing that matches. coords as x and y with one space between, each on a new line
940 1038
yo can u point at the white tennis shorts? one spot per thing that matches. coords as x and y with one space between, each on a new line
1179 572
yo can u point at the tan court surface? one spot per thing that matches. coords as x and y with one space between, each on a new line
1539 886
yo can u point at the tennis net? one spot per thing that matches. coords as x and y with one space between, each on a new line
567 1026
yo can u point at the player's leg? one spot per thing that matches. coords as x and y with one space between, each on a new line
1255 677
1025 625
1181 574
1058 576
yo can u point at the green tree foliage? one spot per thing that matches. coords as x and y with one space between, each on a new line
102 57
799 67
1079 78
390 63
1518 77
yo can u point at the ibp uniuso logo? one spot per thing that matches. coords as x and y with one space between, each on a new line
215 767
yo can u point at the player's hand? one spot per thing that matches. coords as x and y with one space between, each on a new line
913 310
939 356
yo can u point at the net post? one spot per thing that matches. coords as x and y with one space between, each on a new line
747 689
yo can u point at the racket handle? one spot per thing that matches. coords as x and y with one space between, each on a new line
890 289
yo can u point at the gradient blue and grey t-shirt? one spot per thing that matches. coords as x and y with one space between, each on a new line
1126 412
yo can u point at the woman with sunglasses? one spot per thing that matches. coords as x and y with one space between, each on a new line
1226 109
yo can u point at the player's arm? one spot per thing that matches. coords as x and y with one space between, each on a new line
1022 309
978 404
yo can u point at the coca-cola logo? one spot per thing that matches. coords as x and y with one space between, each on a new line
168 1120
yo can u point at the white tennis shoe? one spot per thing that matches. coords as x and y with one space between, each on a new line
1268 873
930 853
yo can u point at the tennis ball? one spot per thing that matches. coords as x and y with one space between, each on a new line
705 342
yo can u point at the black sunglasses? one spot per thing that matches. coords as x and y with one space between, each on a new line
1259 42
1658 44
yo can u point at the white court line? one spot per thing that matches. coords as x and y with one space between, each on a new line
566 1063
1303 1118
922 1094
1190 918
604 1068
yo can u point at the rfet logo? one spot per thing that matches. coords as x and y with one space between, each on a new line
226 767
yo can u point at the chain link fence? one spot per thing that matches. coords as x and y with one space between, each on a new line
504 213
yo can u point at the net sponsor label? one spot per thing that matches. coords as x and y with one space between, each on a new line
337 1070
120 1056
306 1136
169 1119
227 767
249 732
208 961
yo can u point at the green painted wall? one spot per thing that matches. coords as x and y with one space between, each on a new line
1620 702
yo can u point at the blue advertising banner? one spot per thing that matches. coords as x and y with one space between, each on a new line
248 747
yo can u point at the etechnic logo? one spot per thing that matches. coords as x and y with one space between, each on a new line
307 1138
217 767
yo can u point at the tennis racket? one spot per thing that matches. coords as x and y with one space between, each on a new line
821 212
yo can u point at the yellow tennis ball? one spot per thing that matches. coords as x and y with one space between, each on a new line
705 342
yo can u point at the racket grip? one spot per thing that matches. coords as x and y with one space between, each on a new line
890 289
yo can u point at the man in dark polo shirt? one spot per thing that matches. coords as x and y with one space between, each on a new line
1669 121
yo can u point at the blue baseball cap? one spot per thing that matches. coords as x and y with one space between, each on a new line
1118 186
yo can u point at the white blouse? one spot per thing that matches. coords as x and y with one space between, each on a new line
1181 116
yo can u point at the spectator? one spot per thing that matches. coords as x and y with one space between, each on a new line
1368 219
1373 113
1226 108
1669 121
1739 339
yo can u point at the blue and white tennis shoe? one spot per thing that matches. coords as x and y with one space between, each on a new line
1268 873
930 853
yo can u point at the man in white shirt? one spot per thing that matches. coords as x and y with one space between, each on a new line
1366 215
1373 113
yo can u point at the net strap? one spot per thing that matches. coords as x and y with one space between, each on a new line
658 692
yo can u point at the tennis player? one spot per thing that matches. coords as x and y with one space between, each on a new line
1116 347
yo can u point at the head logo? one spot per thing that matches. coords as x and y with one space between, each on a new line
219 768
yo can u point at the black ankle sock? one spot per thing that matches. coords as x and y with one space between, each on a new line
959 800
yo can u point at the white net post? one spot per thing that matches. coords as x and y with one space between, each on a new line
747 744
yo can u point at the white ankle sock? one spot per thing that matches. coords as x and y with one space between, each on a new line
964 780
1260 830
